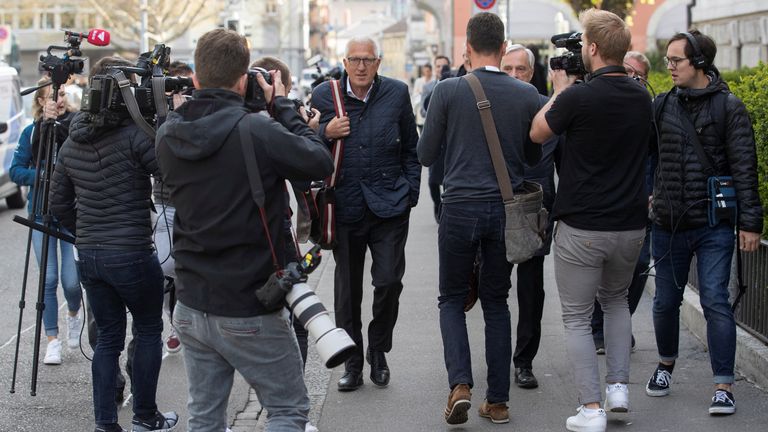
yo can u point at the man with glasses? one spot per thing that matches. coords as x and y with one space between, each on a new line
378 184
700 103
519 62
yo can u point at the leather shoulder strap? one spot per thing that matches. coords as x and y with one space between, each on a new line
338 147
492 137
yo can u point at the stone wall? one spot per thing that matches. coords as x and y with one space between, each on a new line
739 27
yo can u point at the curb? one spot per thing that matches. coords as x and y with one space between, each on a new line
751 354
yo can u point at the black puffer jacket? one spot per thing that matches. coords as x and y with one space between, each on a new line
101 186
680 183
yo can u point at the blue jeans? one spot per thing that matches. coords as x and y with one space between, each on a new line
673 253
69 280
261 348
114 280
465 227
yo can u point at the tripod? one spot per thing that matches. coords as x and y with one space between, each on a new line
44 165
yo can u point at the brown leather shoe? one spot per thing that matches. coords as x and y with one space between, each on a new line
458 405
496 412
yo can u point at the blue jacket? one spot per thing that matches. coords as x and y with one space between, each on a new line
379 167
22 171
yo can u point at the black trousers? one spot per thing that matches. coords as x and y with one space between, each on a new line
386 240
530 300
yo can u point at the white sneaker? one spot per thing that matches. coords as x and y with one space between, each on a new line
53 353
74 327
587 420
309 427
617 398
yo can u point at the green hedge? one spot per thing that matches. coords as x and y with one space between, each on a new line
751 86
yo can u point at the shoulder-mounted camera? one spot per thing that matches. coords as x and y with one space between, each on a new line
571 62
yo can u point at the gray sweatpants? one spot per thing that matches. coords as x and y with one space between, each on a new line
600 264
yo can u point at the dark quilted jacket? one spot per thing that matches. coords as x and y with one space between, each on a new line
380 169
680 183
101 186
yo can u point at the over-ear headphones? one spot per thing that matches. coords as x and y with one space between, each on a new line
698 61
605 70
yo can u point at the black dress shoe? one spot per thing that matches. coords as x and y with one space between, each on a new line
379 368
524 378
350 381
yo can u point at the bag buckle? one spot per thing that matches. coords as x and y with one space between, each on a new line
484 104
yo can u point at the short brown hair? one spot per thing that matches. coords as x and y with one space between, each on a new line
272 63
485 33
221 58
609 32
707 46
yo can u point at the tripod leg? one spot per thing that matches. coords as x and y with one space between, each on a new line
22 304
40 306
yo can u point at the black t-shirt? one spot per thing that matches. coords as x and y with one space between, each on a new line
607 124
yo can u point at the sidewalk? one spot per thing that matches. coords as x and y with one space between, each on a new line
416 396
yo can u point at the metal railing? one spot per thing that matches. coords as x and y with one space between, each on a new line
752 313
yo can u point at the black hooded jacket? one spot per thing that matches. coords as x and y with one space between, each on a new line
100 188
221 247
680 183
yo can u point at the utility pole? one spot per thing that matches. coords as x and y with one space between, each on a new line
144 45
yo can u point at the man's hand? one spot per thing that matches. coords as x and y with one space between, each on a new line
178 100
749 241
314 121
561 80
271 90
337 128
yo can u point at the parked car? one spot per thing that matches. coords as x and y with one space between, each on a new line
13 117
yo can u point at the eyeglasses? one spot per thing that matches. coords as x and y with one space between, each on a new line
673 61
355 61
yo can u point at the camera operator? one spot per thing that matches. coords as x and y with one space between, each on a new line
101 190
22 172
601 207
223 253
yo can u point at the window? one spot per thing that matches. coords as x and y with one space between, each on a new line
68 20
26 20
47 20
271 7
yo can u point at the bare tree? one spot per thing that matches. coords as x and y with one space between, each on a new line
622 8
166 19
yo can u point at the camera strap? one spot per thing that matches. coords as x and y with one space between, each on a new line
606 70
254 180
130 101
158 93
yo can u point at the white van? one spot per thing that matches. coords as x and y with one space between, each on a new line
13 117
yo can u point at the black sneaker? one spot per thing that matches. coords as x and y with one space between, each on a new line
109 428
599 346
722 403
164 422
659 383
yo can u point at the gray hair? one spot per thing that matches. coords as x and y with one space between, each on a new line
364 40
518 47
639 57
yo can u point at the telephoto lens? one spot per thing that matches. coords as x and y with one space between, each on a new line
333 344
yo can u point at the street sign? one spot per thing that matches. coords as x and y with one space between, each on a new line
5 40
491 6
485 5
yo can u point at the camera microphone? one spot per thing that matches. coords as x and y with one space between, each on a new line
97 37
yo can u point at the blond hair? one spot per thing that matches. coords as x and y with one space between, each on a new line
41 93
609 32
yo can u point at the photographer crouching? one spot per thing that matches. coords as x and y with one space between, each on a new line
101 190
226 247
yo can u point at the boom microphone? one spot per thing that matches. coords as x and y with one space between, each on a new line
97 37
